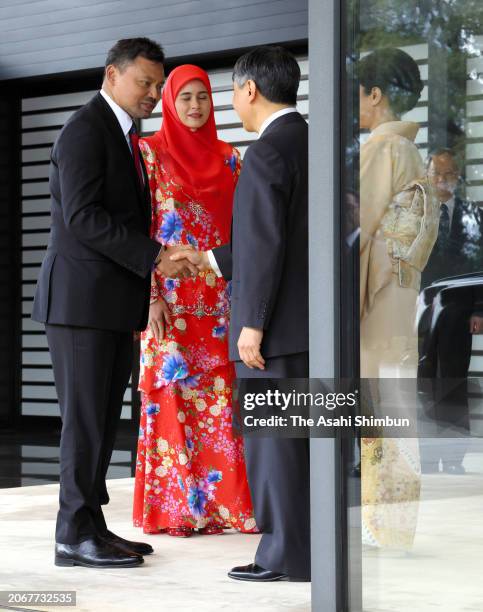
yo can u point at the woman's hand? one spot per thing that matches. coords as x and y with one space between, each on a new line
158 315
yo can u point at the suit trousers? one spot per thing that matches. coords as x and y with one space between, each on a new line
92 368
278 471
445 367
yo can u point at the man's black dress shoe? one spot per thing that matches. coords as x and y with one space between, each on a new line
255 573
139 548
94 552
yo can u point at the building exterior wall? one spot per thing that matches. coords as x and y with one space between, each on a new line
40 37
41 120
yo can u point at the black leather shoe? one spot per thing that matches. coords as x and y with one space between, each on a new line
94 552
139 548
454 468
255 573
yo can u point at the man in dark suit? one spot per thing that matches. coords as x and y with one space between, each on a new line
458 247
93 291
445 344
267 262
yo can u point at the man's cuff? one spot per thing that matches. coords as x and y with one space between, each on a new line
213 264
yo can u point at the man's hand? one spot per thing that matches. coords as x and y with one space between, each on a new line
176 269
249 344
158 315
476 324
197 258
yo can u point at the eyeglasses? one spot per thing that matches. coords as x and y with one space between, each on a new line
443 175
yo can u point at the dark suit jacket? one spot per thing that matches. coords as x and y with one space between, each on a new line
267 259
96 272
463 252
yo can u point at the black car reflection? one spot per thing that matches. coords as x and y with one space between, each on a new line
448 315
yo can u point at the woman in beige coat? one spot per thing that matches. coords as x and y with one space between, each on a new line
390 85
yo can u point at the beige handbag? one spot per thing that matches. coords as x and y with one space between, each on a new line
410 229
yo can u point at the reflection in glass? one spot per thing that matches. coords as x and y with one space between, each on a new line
399 222
418 68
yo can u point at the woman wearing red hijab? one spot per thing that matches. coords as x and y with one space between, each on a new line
190 470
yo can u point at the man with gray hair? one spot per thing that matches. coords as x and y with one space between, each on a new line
446 341
267 261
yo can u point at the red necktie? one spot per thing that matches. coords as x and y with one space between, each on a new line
134 138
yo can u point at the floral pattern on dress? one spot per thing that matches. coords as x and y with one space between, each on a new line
390 490
190 468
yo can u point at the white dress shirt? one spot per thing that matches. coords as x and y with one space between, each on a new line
276 115
214 265
125 119
263 127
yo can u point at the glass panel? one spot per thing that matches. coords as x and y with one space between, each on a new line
412 221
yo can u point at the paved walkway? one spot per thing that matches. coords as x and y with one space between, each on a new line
183 574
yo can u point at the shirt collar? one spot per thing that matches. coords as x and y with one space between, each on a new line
276 115
125 120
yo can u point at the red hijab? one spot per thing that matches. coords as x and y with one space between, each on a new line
197 160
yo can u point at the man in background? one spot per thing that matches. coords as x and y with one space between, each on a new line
445 343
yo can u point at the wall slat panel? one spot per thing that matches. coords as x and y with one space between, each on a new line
40 399
40 37
41 120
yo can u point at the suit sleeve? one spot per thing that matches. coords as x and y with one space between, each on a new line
222 256
223 260
263 195
79 157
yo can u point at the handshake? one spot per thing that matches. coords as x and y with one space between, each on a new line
181 262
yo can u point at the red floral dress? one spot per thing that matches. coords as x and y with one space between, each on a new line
190 469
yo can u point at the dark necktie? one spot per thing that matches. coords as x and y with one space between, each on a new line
443 231
134 138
